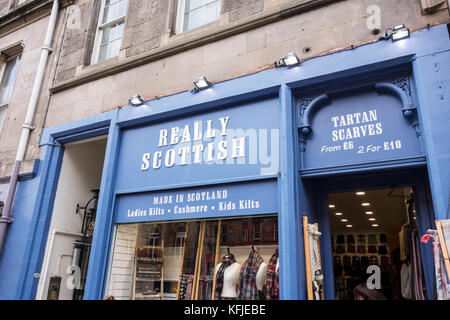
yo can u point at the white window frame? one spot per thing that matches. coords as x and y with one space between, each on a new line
179 28
102 26
4 106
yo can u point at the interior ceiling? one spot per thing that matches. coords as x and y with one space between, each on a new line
389 211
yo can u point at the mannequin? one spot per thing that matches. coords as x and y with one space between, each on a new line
230 280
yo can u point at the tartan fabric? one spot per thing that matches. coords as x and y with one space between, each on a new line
226 261
272 279
247 281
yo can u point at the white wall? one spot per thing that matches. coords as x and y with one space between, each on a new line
80 173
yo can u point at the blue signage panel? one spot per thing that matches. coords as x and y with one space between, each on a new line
360 128
219 201
228 143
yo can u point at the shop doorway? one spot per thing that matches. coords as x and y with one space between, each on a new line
375 244
369 223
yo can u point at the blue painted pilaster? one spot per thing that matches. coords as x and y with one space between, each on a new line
290 231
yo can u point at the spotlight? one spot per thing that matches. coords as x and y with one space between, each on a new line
397 33
136 100
371 219
289 60
331 206
349 226
360 193
400 32
201 83
338 213
365 204
344 220
369 212
375 225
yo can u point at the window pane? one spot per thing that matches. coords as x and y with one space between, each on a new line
200 12
193 4
193 19
114 10
111 41
211 12
8 79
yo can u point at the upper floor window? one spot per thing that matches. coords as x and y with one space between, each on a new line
8 74
195 13
111 23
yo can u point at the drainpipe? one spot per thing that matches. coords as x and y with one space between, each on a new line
5 219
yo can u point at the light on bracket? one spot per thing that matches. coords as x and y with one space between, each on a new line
397 33
289 60
201 84
136 100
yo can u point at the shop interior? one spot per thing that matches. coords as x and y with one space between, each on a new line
376 227
195 260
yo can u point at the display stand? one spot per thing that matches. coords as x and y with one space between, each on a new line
217 257
143 273
182 260
197 269
309 287
443 227
310 278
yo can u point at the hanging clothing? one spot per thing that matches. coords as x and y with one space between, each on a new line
419 289
316 268
442 281
404 238
247 281
226 261
405 277
273 278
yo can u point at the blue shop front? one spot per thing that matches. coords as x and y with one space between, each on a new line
291 183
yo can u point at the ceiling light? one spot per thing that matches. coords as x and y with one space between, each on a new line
344 220
338 213
289 60
331 206
136 100
360 193
365 204
369 212
375 225
400 32
372 219
201 83
349 226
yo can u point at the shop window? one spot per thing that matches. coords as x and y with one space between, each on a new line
195 13
195 260
8 74
110 29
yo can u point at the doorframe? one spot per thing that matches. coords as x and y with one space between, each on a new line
417 178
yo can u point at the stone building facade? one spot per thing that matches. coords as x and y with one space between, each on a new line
105 52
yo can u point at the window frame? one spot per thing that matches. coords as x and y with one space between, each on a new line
100 29
181 11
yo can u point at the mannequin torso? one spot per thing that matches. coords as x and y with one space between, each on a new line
261 276
230 280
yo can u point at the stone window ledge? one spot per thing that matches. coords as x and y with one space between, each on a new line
180 42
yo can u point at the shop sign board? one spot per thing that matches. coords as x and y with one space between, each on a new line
228 143
360 128
217 201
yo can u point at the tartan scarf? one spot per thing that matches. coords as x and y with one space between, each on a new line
226 261
272 279
247 281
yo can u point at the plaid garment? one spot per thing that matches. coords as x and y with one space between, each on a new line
272 279
247 281
226 261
